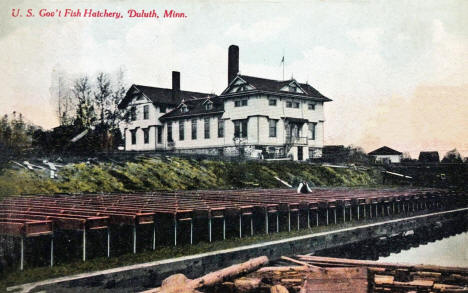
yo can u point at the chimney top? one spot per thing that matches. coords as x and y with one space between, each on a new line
175 84
233 62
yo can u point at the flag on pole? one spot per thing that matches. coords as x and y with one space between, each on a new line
282 60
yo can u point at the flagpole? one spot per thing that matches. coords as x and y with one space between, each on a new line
283 64
283 68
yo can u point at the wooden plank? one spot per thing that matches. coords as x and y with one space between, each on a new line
345 280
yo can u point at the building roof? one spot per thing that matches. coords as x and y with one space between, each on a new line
275 86
384 151
196 107
159 96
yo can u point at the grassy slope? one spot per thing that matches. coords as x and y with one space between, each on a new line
171 173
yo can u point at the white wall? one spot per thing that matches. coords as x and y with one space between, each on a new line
391 158
140 123
258 112
201 141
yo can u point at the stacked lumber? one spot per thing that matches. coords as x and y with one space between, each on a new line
389 277
308 274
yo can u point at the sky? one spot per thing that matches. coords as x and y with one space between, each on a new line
396 70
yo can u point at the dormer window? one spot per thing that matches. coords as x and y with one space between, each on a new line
209 106
293 87
184 109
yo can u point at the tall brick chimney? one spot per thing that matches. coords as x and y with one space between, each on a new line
233 62
175 85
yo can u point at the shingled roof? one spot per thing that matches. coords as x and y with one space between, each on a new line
384 151
196 107
159 96
275 86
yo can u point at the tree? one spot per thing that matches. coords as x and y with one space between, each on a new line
15 136
452 156
107 98
85 112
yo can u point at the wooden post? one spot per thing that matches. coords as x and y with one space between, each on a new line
308 218
191 231
266 221
134 239
22 253
240 225
154 234
108 241
327 216
358 208
251 225
84 244
52 250
175 230
277 222
289 220
298 222
224 228
317 217
209 227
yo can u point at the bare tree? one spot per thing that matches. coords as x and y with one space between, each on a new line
102 96
85 113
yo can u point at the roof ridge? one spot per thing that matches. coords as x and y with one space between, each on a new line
292 79
169 89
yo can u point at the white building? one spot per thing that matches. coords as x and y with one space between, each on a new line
253 116
386 155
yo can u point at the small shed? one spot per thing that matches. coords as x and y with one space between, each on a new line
429 157
386 155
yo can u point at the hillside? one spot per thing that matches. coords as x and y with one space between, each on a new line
174 173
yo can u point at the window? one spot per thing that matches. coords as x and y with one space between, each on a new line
159 136
207 127
311 106
133 114
133 134
162 108
240 103
169 132
146 112
184 109
272 127
272 102
209 106
194 128
288 104
240 128
292 88
181 130
312 130
220 127
296 105
146 135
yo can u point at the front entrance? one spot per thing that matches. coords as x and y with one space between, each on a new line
300 154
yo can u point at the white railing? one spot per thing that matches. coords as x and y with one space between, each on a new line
293 140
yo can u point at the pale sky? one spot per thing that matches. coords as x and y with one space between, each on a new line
396 70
